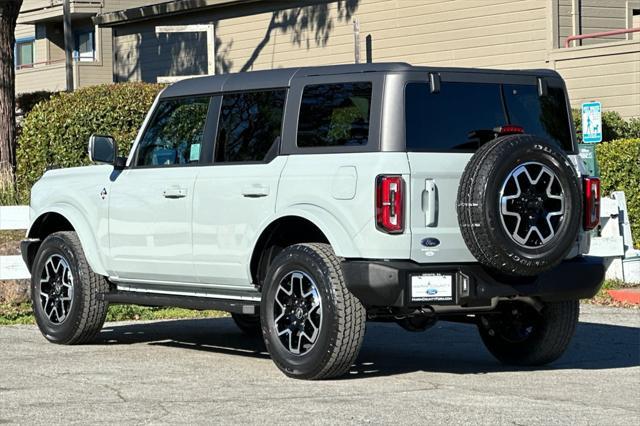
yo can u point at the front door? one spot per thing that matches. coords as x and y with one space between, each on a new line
150 204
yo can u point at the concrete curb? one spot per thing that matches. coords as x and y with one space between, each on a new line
627 295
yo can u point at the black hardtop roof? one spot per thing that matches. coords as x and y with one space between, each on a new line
271 79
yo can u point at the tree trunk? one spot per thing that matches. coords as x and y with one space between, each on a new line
9 10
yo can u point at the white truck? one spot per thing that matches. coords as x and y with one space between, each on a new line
307 201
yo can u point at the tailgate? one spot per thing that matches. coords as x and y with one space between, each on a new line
435 234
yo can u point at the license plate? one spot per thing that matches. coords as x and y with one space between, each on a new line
432 288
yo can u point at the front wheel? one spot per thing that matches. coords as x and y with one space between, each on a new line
312 325
521 334
65 292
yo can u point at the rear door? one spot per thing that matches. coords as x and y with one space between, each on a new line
237 194
448 117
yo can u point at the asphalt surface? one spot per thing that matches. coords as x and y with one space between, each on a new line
206 371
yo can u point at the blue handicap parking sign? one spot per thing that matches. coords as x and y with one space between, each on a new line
592 122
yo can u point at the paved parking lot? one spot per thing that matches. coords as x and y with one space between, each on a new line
205 371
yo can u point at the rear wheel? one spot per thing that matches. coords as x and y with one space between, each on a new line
249 324
523 335
312 325
65 292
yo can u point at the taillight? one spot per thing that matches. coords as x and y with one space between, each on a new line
390 204
591 202
509 129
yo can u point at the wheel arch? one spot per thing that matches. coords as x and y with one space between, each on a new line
301 225
67 218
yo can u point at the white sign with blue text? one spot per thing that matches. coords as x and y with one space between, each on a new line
592 122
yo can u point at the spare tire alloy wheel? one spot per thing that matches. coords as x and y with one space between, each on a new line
532 205
519 205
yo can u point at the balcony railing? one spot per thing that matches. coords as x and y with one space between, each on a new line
567 43
38 64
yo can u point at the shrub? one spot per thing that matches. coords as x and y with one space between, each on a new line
634 128
619 162
8 194
56 131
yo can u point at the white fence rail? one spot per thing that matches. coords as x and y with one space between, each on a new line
13 218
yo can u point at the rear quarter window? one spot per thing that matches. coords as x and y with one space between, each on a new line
462 115
334 115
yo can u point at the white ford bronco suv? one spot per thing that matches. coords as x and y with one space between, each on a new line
307 201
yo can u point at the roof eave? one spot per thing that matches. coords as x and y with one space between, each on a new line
126 16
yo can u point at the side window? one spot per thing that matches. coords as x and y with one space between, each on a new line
335 115
250 126
175 133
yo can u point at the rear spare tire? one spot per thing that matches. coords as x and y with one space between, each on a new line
519 205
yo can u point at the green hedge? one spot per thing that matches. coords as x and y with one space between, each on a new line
56 131
619 162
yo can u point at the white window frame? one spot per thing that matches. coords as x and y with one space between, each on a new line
631 6
197 28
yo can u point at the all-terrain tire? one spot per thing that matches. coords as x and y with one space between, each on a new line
87 312
249 324
550 334
479 205
342 324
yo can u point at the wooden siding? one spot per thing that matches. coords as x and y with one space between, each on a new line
493 33
51 78
607 73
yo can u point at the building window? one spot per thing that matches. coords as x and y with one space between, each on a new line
84 49
24 53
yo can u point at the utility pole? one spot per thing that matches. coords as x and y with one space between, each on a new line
356 39
68 43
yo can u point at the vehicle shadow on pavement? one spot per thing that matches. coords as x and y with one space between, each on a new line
389 350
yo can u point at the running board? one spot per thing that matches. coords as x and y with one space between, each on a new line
248 307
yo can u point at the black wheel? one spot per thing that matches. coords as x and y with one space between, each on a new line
519 205
417 324
312 325
249 324
522 335
64 291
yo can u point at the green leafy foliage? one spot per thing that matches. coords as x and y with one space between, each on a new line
613 126
56 131
11 314
619 162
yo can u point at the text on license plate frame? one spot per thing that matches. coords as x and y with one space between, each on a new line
432 287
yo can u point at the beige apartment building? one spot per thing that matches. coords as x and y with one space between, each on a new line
150 41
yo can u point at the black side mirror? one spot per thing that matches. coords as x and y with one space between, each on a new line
104 149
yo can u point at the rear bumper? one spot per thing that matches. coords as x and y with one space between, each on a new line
387 283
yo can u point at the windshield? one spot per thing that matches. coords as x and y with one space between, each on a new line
462 116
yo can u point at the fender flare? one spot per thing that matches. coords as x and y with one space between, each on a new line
84 231
339 237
